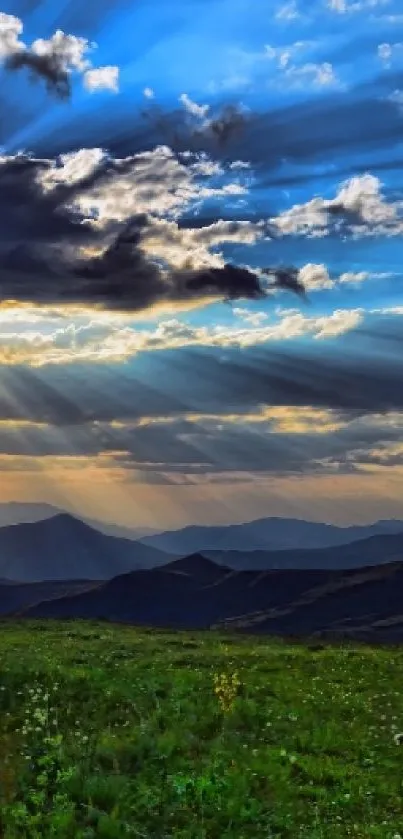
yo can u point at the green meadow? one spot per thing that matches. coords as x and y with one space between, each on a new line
112 731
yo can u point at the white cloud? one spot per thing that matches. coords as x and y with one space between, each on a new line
353 278
148 93
283 55
387 52
11 28
315 74
193 108
191 248
319 75
359 204
97 341
153 182
315 277
71 168
288 11
102 78
70 52
344 7
254 318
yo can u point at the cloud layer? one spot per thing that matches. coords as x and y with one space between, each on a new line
87 229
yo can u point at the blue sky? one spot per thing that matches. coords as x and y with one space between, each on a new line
145 147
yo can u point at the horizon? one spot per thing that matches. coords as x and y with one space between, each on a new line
200 313
139 527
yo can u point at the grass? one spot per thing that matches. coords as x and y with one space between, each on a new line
110 731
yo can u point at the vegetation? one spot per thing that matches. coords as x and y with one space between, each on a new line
110 731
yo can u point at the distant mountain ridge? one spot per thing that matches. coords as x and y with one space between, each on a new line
272 533
62 548
269 534
375 550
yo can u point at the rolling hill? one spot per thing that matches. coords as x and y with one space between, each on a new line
195 593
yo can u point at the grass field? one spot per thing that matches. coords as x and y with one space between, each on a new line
110 731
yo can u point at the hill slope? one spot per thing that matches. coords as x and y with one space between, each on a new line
64 548
376 550
195 594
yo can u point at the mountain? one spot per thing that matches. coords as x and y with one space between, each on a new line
376 550
269 534
16 512
365 603
65 548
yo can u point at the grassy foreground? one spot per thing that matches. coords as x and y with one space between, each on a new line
110 731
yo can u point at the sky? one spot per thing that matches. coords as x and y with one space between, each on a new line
201 292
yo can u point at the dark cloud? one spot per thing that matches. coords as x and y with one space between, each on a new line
287 279
211 445
302 134
182 132
124 277
228 124
37 266
30 215
49 68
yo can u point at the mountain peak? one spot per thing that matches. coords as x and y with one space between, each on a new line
195 565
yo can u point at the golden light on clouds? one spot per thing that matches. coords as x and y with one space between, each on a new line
106 492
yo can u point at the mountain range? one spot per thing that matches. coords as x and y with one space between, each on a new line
62 548
61 567
196 593
268 534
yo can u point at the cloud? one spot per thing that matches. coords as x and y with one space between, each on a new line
102 78
11 28
54 59
387 52
80 230
318 75
273 441
396 97
346 7
207 380
282 55
287 279
94 340
182 247
288 11
193 108
220 128
315 277
296 75
359 208
148 93
353 278
254 318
